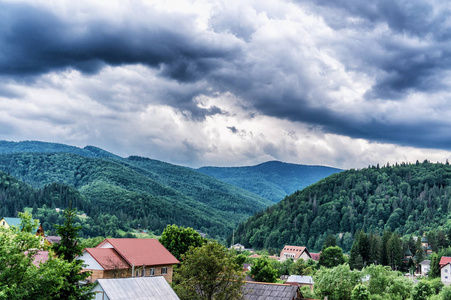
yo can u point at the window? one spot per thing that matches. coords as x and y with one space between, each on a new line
446 277
136 273
164 271
446 270
152 272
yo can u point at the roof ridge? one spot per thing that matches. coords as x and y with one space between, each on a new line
269 283
118 252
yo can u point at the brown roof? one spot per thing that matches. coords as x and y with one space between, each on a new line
269 291
138 252
297 250
108 258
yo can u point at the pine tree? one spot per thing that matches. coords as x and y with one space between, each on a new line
68 249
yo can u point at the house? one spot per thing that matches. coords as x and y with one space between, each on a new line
425 266
294 252
300 280
238 247
445 269
143 288
8 222
407 256
425 245
128 257
315 256
270 291
247 267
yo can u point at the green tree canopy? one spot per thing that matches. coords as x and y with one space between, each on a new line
178 240
422 291
68 249
335 283
19 277
360 292
208 272
331 257
263 271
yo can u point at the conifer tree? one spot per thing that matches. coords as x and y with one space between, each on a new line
68 249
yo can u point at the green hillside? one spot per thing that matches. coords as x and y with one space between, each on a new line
407 198
134 190
272 180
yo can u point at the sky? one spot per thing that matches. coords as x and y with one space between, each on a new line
342 83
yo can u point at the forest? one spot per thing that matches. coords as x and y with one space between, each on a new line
126 193
408 199
273 180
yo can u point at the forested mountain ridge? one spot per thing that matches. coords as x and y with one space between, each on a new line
272 180
407 198
134 190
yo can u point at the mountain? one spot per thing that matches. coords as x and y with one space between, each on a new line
272 180
406 198
134 190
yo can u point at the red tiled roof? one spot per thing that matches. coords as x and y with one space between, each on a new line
108 258
140 252
444 261
315 256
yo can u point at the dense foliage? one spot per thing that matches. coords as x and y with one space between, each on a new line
406 198
68 249
272 180
120 193
373 282
208 272
20 278
178 240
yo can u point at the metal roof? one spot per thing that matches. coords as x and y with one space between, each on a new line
269 291
300 279
138 288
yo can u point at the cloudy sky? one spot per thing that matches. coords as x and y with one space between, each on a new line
344 83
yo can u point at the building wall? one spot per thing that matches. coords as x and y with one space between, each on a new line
3 223
446 274
100 295
304 256
96 274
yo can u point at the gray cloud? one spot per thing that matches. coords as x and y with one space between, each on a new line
34 41
279 65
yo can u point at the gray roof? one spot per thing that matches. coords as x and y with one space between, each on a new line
138 288
269 291
425 262
300 279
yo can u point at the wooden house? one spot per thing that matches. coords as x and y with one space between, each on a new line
8 222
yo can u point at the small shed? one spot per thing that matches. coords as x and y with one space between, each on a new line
143 288
300 280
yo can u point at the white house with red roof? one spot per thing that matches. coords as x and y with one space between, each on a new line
117 258
445 269
294 252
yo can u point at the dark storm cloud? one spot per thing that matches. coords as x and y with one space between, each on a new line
402 67
34 41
